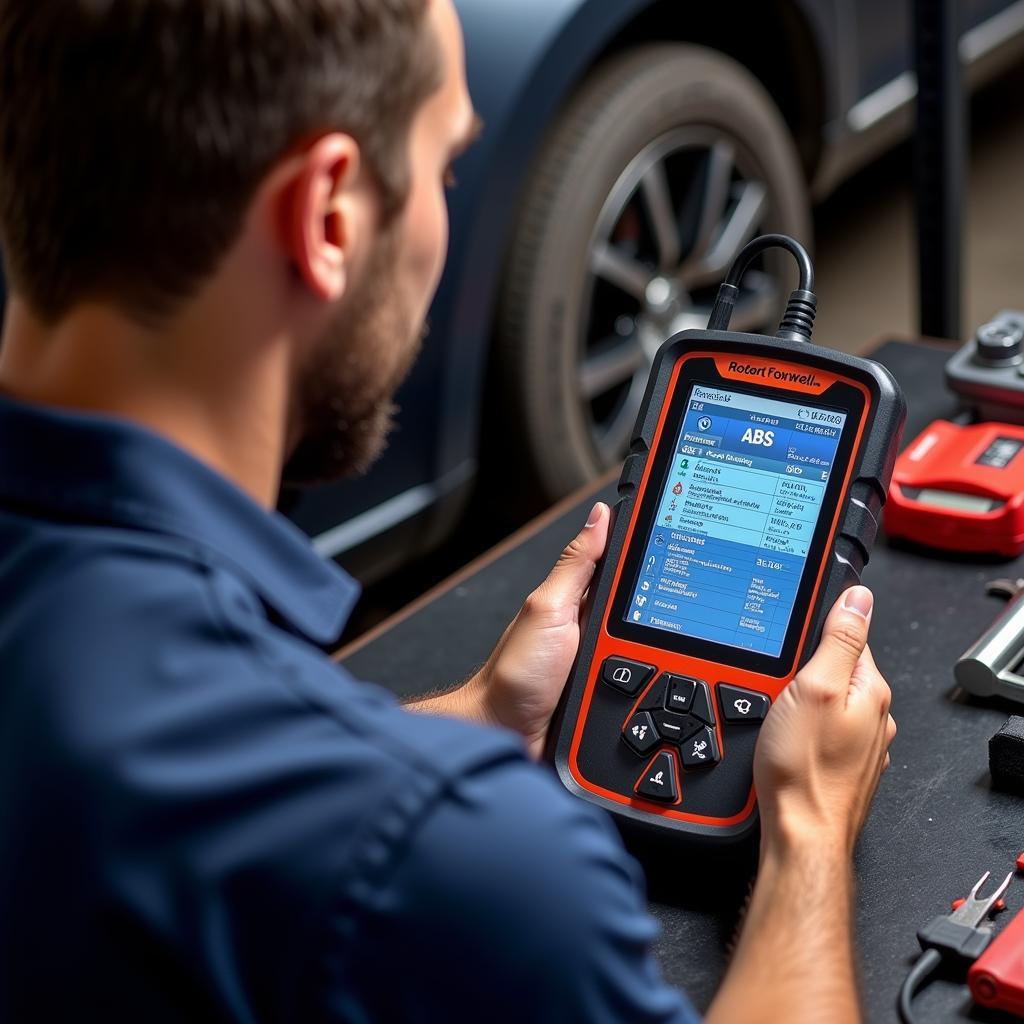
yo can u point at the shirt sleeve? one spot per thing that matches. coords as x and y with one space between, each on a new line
512 902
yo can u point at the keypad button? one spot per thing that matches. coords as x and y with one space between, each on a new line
701 707
654 698
658 781
680 693
700 750
627 676
640 734
675 728
739 705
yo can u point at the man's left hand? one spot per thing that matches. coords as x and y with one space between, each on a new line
520 685
524 677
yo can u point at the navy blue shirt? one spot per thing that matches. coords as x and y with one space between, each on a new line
203 818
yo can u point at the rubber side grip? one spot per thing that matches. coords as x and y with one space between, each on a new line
850 551
866 496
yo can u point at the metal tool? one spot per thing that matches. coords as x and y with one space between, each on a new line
974 911
992 666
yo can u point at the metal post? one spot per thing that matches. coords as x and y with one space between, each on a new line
940 158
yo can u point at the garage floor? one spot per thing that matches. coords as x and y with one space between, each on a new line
866 246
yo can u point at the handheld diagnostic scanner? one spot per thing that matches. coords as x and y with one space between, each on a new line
748 503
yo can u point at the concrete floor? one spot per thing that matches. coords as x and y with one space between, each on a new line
866 244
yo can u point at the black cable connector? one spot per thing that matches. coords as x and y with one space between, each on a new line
954 940
944 943
798 322
919 976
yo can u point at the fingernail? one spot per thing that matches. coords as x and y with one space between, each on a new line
859 600
595 514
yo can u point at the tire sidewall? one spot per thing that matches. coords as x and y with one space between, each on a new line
627 104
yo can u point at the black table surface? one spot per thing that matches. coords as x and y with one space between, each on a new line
936 824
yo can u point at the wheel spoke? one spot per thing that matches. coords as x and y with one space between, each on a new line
614 266
735 234
757 305
658 198
717 180
611 364
678 218
613 441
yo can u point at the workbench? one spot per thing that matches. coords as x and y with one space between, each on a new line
936 824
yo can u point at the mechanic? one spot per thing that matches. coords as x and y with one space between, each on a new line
223 222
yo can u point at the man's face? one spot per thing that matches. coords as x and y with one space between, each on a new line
345 388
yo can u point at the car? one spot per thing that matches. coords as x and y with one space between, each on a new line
631 148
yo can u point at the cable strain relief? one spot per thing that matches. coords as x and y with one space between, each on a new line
798 322
721 312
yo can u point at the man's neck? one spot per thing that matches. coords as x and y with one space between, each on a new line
226 408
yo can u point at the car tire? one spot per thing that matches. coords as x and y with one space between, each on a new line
626 105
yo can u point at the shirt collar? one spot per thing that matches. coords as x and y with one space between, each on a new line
101 469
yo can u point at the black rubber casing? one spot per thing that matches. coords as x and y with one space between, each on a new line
858 524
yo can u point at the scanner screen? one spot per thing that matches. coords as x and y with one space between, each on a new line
732 530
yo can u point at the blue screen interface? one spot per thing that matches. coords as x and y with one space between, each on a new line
734 523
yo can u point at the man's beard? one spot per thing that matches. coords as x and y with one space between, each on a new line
343 407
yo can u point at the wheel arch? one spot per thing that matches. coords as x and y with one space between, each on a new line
782 46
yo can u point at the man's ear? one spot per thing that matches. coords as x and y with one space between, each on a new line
320 216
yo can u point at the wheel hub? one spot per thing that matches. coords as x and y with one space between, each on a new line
667 234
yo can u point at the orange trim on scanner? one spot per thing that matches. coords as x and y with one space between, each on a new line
778 374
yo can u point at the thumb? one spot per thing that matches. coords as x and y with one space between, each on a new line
568 580
844 637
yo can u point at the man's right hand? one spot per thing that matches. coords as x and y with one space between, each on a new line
821 751
825 741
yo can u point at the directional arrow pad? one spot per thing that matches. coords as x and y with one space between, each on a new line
675 728
701 706
640 735
700 750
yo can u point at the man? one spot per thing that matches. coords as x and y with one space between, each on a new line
223 221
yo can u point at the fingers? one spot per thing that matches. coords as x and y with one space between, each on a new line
568 580
843 640
890 735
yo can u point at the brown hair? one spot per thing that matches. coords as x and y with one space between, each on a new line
134 133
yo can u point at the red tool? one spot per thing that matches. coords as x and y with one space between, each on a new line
996 978
961 489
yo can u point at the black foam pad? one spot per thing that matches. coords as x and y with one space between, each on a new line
1006 755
